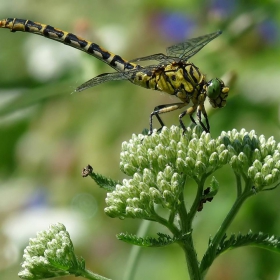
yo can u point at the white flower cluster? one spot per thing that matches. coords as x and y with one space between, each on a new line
50 254
160 163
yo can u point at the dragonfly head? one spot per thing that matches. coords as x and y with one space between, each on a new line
217 93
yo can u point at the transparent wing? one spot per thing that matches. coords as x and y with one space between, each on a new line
180 51
106 77
157 57
189 48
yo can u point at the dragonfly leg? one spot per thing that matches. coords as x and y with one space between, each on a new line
199 111
189 112
163 109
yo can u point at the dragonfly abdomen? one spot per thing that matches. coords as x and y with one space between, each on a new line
115 61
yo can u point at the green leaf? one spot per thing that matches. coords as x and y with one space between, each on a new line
162 240
104 182
261 240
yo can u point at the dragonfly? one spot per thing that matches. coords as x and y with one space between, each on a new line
173 73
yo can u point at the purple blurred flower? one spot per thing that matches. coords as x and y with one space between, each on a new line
268 31
174 26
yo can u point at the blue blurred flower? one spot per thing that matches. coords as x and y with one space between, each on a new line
174 26
268 31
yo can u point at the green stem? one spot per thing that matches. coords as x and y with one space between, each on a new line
193 210
92 276
211 251
166 223
238 184
191 257
187 241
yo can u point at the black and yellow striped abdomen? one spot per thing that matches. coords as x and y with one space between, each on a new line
115 61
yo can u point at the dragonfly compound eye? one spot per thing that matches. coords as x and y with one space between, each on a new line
217 93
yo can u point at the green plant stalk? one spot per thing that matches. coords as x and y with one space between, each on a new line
193 210
92 276
191 257
226 223
187 241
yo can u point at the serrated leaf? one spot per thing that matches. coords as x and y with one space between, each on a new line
162 240
104 182
260 240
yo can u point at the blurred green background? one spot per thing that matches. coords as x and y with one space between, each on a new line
47 134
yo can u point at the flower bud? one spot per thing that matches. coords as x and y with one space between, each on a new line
232 152
264 150
258 180
268 180
181 154
257 164
168 197
256 155
234 162
160 149
163 185
214 160
173 147
201 156
175 133
276 174
145 198
243 160
237 145
276 156
271 144
112 211
192 154
176 182
193 144
142 162
168 172
247 150
211 146
265 170
156 195
148 177
190 164
152 157
162 162
224 139
200 168
224 157
270 162
221 148
180 165
252 171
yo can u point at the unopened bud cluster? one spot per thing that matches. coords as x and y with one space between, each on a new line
160 163
50 254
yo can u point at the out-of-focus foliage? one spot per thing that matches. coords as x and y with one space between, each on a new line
48 134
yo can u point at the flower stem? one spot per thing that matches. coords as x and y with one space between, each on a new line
222 230
92 276
187 241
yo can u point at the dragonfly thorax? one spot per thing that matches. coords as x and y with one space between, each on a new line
182 79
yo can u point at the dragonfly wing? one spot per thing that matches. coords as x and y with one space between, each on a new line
158 57
189 48
106 77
